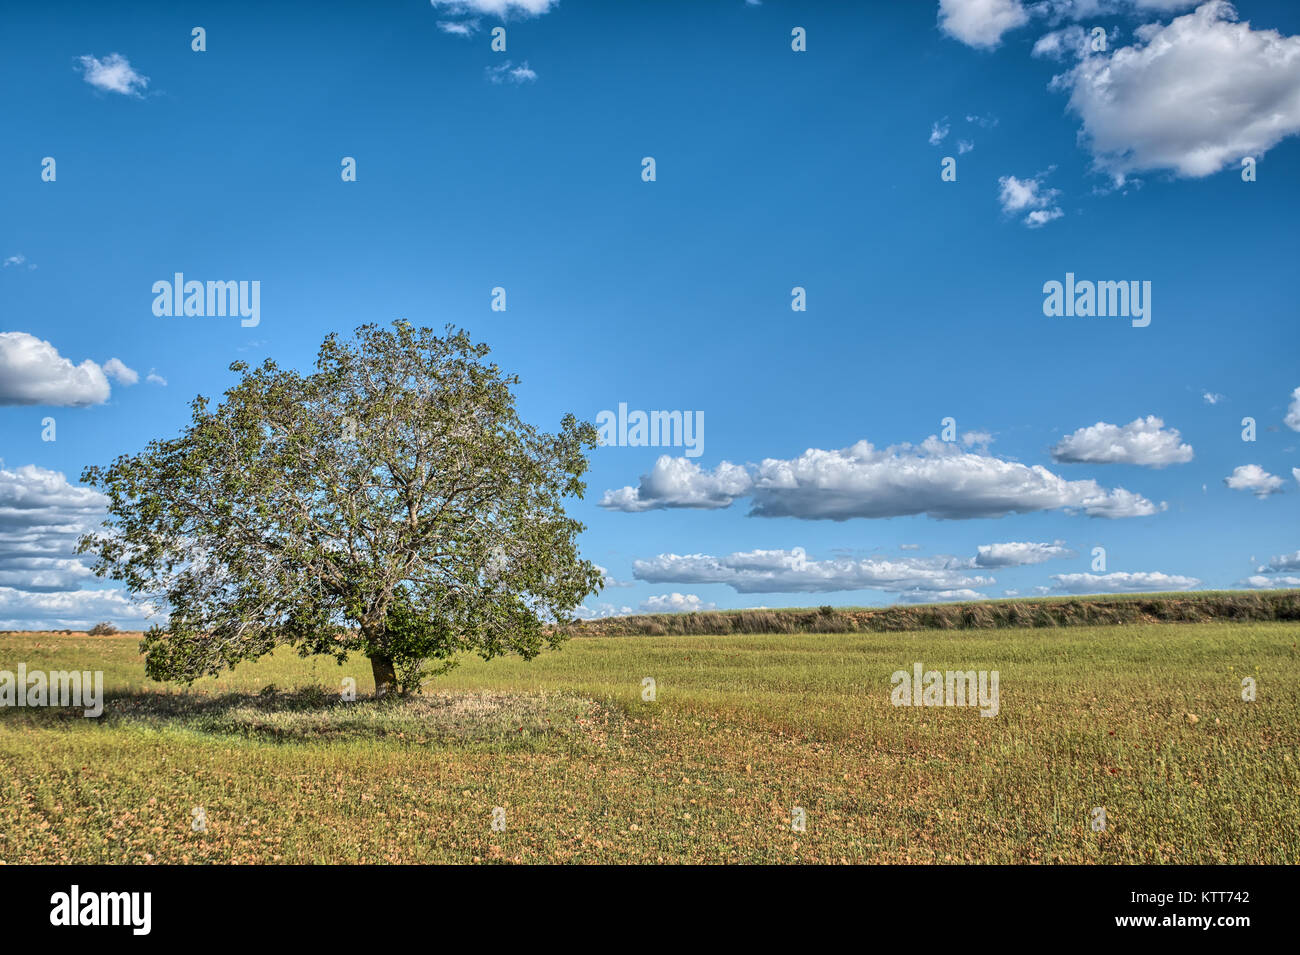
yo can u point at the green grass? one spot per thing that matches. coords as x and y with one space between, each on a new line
1144 720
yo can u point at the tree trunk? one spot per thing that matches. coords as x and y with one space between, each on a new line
385 675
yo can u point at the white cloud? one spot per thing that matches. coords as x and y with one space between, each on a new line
73 609
31 491
1070 41
458 27
113 74
1142 441
601 610
940 596
155 379
1270 583
790 571
964 146
1292 419
1295 473
1040 217
980 23
1192 96
1030 196
14 261
1253 478
1211 398
680 482
936 478
32 372
118 371
608 580
41 518
465 16
938 131
495 8
1282 562
508 73
1122 583
675 603
1020 554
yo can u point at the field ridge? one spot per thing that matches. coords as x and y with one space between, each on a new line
1015 613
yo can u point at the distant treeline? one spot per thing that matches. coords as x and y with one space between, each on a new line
1203 607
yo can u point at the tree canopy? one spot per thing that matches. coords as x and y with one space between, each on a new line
391 502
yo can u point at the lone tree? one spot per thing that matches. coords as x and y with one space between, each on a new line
392 503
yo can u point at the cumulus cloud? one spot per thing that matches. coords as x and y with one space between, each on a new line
1281 563
1292 419
32 372
1260 582
791 571
41 517
675 603
155 379
1122 583
680 482
1142 441
113 74
1031 197
980 23
71 610
1020 554
935 478
1211 398
938 131
1277 573
1191 96
1253 478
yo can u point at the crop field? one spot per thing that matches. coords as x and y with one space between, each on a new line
755 748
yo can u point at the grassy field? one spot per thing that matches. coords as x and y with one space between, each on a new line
1147 721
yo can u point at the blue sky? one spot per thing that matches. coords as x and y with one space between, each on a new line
774 169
